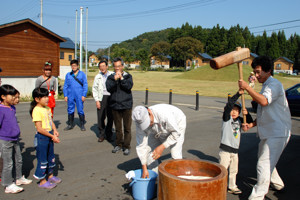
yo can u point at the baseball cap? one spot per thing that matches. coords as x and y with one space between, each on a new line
141 116
238 104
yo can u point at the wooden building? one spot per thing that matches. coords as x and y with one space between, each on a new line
25 47
201 60
249 60
283 65
67 53
155 63
93 59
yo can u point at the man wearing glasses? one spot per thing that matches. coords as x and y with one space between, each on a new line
157 128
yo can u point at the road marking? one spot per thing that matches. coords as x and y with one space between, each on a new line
184 104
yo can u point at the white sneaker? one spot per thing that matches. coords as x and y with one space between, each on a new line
13 188
276 187
23 181
234 191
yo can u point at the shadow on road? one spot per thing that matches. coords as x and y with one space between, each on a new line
202 155
29 156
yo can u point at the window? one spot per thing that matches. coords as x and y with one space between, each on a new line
62 55
278 67
70 57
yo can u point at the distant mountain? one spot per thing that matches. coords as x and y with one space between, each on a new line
145 40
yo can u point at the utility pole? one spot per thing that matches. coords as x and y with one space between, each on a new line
41 17
80 43
86 41
108 55
76 23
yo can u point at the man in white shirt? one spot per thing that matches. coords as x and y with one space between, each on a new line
157 128
102 97
273 124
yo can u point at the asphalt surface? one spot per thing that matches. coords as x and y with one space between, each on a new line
89 170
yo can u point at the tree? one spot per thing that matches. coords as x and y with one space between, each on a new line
273 46
217 41
89 53
160 50
235 38
282 43
125 54
143 56
185 48
262 44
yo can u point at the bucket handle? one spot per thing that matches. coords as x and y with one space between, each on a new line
132 182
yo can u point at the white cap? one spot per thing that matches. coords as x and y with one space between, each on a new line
141 116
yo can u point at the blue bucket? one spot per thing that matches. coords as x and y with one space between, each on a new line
143 188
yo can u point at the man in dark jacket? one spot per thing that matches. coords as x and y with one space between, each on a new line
119 85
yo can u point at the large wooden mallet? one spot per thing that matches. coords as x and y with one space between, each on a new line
236 56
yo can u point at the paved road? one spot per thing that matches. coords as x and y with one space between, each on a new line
90 171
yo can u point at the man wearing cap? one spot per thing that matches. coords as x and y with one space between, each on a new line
157 128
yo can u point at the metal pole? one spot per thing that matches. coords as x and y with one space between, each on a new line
170 97
76 35
197 100
108 55
229 96
86 42
146 97
41 17
80 43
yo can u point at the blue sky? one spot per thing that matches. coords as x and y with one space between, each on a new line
113 21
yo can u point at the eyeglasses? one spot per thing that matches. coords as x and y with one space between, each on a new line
47 63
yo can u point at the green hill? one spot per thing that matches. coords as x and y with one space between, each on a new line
228 74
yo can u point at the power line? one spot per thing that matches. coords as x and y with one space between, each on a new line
291 21
161 10
277 29
87 3
21 11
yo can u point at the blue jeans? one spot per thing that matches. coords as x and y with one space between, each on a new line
10 149
45 155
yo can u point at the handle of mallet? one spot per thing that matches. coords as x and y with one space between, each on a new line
240 66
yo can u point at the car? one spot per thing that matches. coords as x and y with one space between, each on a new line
293 98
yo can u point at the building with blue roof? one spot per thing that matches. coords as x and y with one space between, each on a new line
66 54
201 60
283 65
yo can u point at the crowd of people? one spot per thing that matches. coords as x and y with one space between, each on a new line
158 127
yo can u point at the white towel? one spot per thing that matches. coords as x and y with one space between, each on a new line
130 175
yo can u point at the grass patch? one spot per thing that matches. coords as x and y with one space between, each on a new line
209 82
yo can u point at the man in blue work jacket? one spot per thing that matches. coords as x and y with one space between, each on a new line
75 90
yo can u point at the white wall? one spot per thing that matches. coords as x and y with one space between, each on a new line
159 66
24 85
63 70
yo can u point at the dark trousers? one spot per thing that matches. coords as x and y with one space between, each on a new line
44 155
125 117
102 113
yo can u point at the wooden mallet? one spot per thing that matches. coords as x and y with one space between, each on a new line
236 56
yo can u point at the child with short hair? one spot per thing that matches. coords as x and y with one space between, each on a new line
45 138
9 142
230 140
